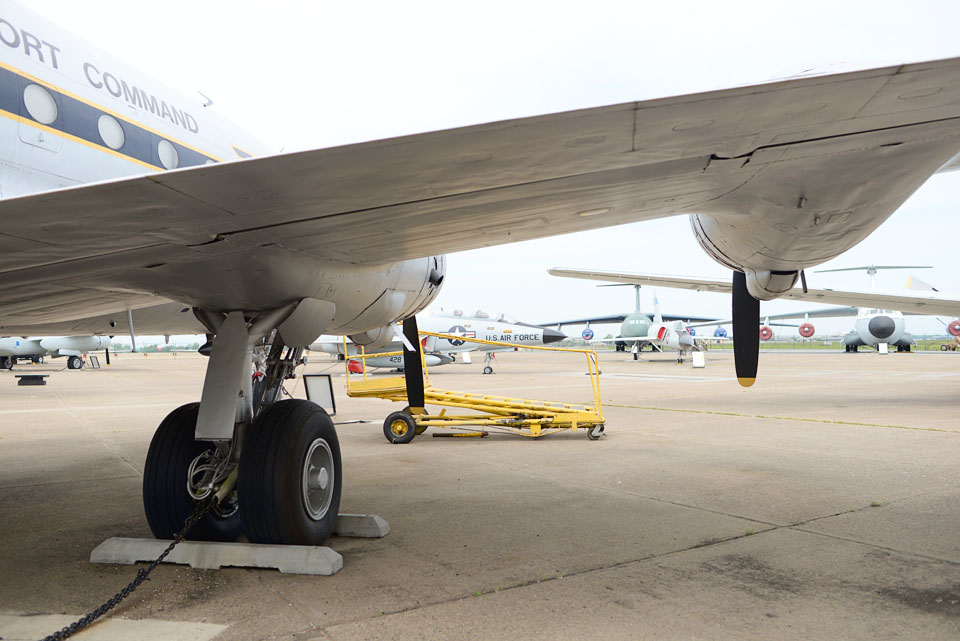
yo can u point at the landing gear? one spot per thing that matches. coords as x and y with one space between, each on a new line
74 362
487 359
851 349
290 477
166 500
283 454
6 362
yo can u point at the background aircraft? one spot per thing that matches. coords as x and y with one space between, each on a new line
442 351
637 329
71 347
879 315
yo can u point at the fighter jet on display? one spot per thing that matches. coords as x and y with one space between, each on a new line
677 333
119 193
879 316
35 349
442 351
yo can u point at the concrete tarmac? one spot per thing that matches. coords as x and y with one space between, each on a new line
820 503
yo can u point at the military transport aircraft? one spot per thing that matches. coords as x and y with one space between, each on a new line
442 351
119 193
879 315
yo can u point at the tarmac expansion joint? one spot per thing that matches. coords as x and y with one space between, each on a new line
207 555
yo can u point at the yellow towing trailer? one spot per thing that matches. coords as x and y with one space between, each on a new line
531 418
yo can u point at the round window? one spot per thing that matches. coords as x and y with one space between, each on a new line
40 104
168 154
110 131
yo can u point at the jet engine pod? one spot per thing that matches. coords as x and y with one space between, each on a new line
766 333
954 328
806 330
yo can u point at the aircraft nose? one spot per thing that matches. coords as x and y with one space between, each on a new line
552 336
881 326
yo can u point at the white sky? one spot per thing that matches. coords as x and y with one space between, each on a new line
301 75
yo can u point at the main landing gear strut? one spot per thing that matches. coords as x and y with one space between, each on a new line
273 465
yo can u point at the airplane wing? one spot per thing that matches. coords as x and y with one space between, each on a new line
257 226
852 300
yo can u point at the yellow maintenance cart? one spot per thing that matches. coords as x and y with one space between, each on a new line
489 413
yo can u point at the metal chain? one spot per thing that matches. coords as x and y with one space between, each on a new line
199 510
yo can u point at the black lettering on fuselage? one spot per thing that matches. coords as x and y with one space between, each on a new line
108 79
87 68
30 41
53 54
9 34
131 94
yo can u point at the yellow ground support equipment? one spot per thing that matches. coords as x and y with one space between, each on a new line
490 413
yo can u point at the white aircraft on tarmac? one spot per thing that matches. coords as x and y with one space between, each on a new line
34 349
442 351
880 316
118 194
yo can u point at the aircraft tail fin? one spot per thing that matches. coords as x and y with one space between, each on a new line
657 318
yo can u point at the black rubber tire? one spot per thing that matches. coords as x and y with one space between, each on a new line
590 432
271 474
6 362
487 369
74 362
393 434
420 428
165 499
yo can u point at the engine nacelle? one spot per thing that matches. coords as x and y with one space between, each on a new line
954 328
766 333
369 300
75 345
375 338
806 330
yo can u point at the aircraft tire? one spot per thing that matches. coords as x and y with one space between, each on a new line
165 499
487 369
74 362
399 428
290 475
6 362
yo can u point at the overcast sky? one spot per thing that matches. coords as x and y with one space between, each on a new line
301 75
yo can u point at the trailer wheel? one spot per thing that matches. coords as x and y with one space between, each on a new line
420 428
595 432
399 427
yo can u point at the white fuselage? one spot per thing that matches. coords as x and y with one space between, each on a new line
70 114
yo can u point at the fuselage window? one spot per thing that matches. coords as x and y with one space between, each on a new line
40 104
110 131
169 157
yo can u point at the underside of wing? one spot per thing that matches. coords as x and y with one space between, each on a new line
249 234
849 299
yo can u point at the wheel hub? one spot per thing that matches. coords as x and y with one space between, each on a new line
399 427
317 484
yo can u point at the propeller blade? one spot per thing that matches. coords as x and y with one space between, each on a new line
746 336
413 366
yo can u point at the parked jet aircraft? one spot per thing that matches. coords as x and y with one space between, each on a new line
72 347
118 194
879 316
638 329
442 351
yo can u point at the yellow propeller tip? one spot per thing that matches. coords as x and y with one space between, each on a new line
746 382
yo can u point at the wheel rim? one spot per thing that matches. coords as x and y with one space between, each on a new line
317 486
398 427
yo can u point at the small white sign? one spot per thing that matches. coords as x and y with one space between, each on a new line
320 390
